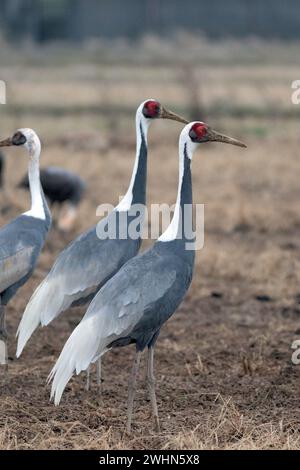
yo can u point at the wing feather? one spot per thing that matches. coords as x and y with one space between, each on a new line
14 267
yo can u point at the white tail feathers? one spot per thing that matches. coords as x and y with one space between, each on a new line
82 348
44 305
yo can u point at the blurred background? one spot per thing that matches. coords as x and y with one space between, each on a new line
75 71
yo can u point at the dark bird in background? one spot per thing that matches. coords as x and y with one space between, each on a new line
90 260
22 239
135 303
61 186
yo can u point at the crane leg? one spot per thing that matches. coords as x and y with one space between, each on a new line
151 386
3 338
88 373
131 389
99 381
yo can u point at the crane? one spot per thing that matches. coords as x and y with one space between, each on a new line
134 304
60 186
22 239
88 262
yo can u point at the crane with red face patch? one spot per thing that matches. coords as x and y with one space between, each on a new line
135 303
89 261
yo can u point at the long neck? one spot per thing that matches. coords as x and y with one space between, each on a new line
37 200
182 218
136 193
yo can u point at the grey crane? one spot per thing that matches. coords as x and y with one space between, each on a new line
134 304
89 261
22 239
61 187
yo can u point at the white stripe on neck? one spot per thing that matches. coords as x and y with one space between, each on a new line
37 205
141 123
172 230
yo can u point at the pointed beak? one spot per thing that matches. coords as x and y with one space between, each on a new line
6 142
166 114
214 136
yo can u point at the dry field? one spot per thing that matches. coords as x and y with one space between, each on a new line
223 362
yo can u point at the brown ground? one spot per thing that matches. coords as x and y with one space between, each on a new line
223 362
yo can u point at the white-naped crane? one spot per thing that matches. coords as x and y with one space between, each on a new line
22 239
134 304
61 187
89 261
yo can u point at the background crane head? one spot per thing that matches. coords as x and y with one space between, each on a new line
152 109
26 137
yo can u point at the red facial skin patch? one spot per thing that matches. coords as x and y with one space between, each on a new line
151 109
198 131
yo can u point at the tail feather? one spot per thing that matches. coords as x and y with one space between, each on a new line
82 348
44 305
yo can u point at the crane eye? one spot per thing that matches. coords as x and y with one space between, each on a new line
18 138
198 132
152 109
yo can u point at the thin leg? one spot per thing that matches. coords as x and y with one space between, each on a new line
87 385
131 389
151 386
3 338
99 381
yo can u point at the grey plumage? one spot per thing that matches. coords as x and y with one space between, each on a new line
21 242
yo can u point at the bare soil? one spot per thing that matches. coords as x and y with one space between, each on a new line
225 379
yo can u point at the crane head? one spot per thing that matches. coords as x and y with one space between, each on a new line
26 137
17 139
152 109
199 132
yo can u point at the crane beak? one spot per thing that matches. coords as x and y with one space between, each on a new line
6 142
166 114
214 136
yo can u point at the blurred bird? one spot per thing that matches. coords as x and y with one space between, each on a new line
89 261
134 304
61 186
23 238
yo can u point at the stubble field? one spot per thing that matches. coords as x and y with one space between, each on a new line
225 379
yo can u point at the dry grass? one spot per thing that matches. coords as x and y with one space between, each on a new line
225 378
